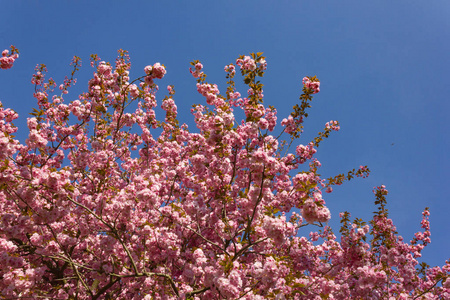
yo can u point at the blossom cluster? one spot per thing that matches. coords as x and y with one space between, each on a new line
312 85
230 69
7 59
333 125
156 71
197 72
250 64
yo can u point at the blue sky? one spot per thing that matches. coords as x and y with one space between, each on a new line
383 65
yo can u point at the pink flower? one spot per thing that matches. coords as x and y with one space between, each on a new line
312 85
198 66
446 284
158 71
311 212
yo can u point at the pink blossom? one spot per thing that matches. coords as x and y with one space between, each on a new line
7 60
311 85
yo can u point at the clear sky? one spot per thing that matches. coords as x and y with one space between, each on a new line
384 68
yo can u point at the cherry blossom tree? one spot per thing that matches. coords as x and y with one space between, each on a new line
104 200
